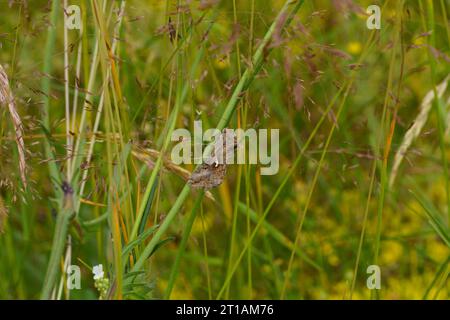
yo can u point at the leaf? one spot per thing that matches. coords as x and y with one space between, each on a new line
148 206
127 249
161 244
434 218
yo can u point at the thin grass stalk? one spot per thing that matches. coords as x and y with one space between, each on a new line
66 264
277 235
205 253
234 225
370 192
239 173
45 85
59 240
66 92
182 247
63 217
100 107
382 159
108 65
87 101
77 82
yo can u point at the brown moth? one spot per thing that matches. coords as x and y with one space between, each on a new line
208 176
212 172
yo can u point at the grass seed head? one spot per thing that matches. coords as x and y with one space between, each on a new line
3 214
7 98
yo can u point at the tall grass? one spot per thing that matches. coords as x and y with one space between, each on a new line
358 111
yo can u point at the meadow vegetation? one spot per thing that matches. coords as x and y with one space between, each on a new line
86 118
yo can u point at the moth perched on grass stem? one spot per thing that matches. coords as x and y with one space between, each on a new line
211 173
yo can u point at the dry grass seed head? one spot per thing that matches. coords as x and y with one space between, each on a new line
7 98
3 214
